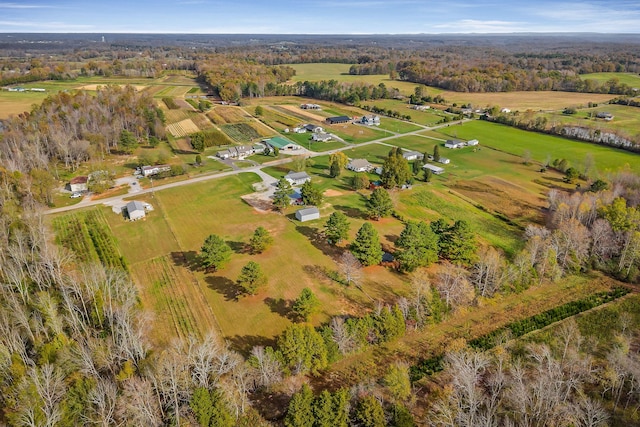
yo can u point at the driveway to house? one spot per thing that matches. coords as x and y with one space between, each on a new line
268 180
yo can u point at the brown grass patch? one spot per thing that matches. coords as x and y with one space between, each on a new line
182 128
95 86
304 113
542 100
224 115
331 193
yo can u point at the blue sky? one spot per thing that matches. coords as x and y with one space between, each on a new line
319 17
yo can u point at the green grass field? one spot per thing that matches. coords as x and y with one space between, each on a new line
630 79
516 141
626 119
428 118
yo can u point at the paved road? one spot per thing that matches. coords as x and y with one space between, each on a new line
136 190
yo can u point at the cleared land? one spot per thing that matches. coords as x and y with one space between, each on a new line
516 141
182 128
522 101
630 79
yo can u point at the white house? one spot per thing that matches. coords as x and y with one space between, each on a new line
154 170
412 155
360 165
321 137
79 183
473 142
454 143
370 120
314 128
297 178
437 170
444 161
307 214
135 210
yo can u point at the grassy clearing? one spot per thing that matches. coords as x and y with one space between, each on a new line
630 79
340 72
522 101
626 119
304 140
428 117
516 141
221 115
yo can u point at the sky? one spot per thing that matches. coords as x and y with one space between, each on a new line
319 16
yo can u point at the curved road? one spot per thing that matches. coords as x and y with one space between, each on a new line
257 169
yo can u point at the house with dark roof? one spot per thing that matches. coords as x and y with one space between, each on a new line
135 210
297 178
604 115
338 119
370 120
313 128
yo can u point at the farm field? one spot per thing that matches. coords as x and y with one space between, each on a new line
427 118
182 128
304 140
340 72
630 79
516 141
626 119
521 101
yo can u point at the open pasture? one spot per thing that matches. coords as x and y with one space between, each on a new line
630 79
516 141
222 115
522 101
427 117
626 119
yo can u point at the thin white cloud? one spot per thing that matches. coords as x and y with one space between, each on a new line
24 6
55 26
479 26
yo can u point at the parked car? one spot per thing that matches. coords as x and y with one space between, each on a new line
76 195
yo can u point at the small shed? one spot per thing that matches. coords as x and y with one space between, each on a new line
307 214
79 183
473 142
437 170
135 210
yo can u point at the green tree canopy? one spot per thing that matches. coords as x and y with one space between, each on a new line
303 349
300 410
214 252
360 181
369 412
251 278
458 243
281 195
337 228
337 162
260 240
311 195
366 246
306 304
379 204
395 170
436 153
418 244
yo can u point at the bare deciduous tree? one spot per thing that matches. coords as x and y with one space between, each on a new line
350 268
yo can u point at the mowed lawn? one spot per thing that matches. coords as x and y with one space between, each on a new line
516 141
184 217
630 79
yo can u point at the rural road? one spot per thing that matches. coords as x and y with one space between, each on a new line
136 190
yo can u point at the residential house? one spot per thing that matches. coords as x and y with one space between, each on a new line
307 214
370 120
299 129
444 161
473 142
281 143
313 128
79 183
297 178
295 198
338 119
454 143
135 210
437 170
258 148
310 107
604 115
360 165
420 107
321 137
412 155
154 170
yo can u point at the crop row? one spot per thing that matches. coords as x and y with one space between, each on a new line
103 240
240 132
521 327
72 233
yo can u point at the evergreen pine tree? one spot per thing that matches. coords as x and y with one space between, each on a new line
366 246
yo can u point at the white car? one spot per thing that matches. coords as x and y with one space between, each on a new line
76 195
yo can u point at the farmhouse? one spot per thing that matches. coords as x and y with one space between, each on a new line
307 214
473 142
604 115
154 170
313 128
453 143
236 152
79 183
437 170
370 120
321 137
360 165
135 210
281 143
310 107
412 155
297 178
337 119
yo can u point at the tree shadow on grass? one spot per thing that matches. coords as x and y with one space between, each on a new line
391 238
317 239
244 343
187 259
280 306
224 286
238 247
351 212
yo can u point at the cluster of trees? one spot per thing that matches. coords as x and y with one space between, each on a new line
387 112
395 170
346 93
